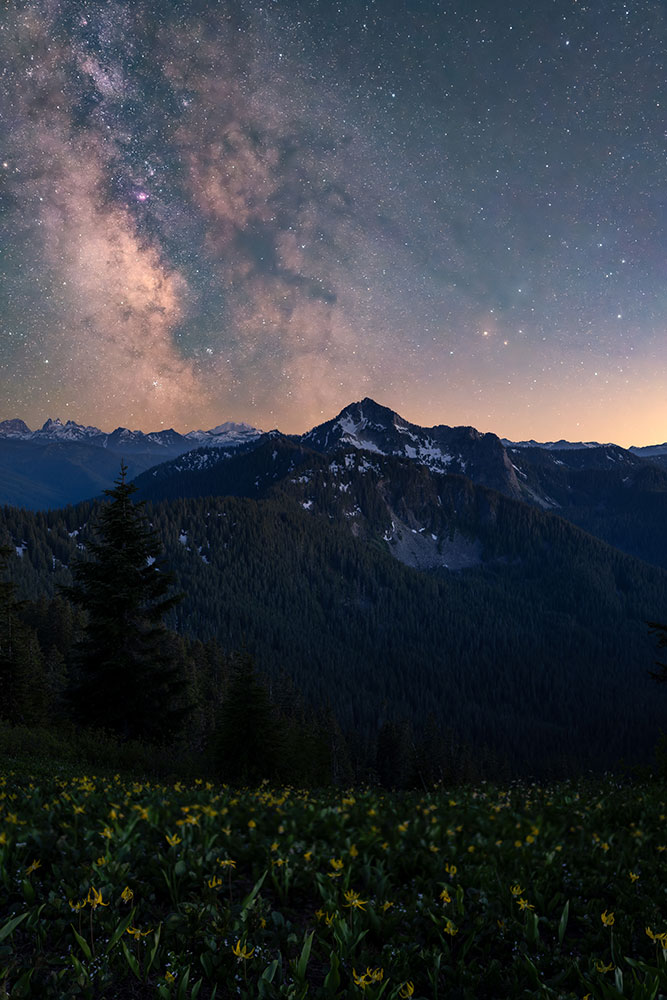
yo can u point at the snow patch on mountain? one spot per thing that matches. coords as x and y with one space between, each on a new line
423 550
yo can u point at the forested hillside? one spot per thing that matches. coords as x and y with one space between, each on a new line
537 652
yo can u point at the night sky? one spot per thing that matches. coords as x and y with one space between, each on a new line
264 211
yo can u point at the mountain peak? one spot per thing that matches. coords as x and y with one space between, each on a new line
14 428
55 429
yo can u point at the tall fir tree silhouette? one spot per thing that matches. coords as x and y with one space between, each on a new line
126 679
23 692
660 632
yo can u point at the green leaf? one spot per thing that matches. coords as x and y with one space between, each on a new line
332 978
532 930
11 925
153 952
82 943
183 985
206 962
28 891
248 901
22 985
270 971
120 930
78 968
302 963
562 924
131 961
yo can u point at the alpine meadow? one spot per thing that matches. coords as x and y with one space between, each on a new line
333 500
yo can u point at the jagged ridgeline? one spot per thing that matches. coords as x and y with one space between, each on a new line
391 590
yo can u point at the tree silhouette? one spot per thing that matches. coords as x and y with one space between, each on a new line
247 740
22 681
660 632
126 679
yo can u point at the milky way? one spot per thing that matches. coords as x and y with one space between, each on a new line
261 212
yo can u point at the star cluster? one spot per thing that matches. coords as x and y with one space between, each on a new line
263 210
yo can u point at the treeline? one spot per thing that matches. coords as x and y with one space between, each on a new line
240 726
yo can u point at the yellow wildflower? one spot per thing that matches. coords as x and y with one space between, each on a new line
95 898
308 856
607 918
33 867
601 967
450 928
251 825
406 990
451 869
360 980
138 934
353 901
127 895
354 852
226 862
524 904
242 952
633 876
445 897
516 890
214 883
172 841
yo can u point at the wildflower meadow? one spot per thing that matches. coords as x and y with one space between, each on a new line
111 888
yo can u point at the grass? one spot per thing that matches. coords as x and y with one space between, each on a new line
113 888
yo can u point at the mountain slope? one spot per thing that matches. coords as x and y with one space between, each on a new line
535 645
370 427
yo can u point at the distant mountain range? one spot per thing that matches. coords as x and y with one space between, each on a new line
64 463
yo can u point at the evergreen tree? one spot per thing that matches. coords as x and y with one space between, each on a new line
8 638
127 679
247 740
660 631
22 679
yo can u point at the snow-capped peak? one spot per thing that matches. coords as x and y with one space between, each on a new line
70 431
227 433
